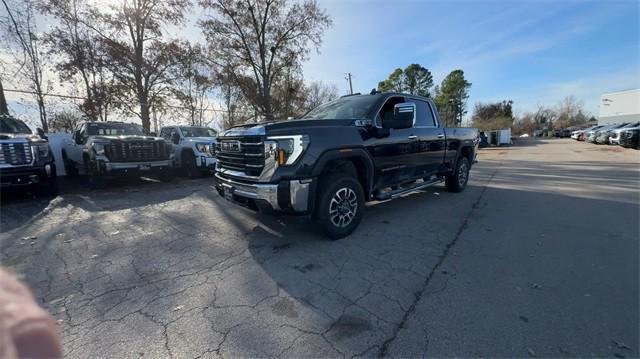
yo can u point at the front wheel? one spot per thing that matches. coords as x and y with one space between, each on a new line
457 181
95 180
340 205
189 164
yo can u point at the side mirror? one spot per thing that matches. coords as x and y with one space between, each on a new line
76 137
404 116
41 133
175 138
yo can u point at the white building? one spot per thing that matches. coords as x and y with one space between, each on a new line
619 107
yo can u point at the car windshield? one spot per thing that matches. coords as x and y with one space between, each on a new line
13 125
352 107
198 132
114 129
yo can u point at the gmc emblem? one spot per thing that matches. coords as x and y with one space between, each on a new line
230 146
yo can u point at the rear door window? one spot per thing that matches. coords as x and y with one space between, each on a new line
424 116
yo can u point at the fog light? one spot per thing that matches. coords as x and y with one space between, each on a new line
47 169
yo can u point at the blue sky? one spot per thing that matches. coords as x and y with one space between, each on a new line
533 52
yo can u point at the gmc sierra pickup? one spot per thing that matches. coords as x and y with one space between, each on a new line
109 149
338 156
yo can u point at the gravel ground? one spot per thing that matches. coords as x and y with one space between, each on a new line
538 257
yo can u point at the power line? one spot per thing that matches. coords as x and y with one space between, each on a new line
84 98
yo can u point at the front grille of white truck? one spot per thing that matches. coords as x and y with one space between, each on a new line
15 154
135 151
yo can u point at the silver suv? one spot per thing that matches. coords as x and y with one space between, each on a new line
194 148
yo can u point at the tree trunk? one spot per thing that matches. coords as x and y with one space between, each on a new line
4 110
144 117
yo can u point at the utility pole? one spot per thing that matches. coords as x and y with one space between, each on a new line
3 102
348 78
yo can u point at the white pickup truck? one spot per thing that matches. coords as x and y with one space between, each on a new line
194 148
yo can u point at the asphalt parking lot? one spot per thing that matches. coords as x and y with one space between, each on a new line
538 257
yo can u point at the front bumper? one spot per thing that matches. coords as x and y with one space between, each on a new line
292 196
207 162
113 168
22 176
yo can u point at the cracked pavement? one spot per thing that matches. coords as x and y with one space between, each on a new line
150 269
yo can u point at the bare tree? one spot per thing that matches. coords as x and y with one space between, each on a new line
65 121
260 39
81 54
138 54
237 109
193 82
21 35
318 93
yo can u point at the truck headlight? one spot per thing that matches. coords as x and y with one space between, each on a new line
42 149
98 148
202 147
289 148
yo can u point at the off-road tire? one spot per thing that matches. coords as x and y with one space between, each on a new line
166 175
189 165
70 169
95 180
457 181
334 188
50 187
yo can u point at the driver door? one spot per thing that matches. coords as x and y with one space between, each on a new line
397 156
75 145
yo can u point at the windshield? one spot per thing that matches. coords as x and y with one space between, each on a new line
13 125
352 107
198 132
114 129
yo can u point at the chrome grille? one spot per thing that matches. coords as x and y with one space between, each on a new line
134 151
247 158
17 153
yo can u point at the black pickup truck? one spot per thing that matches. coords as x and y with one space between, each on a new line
338 156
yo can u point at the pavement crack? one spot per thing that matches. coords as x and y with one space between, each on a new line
384 348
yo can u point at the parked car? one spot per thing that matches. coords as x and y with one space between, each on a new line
194 148
26 160
338 156
601 136
562 133
614 135
630 138
590 136
581 134
110 149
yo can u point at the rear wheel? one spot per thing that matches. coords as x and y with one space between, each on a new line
457 181
340 205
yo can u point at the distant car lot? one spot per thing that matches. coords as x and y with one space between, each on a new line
538 255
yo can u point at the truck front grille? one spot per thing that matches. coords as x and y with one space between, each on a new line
136 151
243 154
15 154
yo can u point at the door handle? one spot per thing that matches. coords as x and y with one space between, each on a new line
440 135
412 137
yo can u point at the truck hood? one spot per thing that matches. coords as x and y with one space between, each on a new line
257 129
19 137
126 138
200 139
